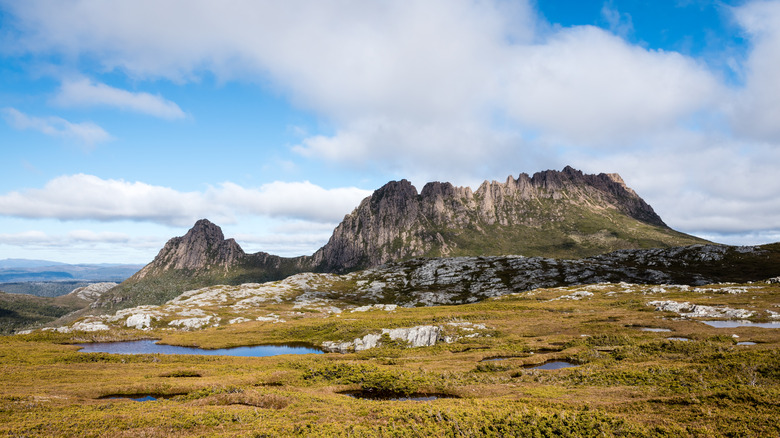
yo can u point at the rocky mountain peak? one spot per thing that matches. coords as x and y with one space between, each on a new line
397 223
203 247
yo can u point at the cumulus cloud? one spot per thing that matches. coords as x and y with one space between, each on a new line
86 133
420 73
84 92
755 108
79 197
441 89
286 244
82 246
619 23
71 238
688 185
589 87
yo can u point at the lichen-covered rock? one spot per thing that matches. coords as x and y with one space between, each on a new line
419 336
192 323
139 321
93 291
689 310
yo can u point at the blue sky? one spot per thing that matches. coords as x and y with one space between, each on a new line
121 123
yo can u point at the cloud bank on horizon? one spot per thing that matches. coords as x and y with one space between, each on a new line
127 96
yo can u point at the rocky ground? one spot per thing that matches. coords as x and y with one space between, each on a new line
420 283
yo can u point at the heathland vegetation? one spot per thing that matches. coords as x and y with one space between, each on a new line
639 372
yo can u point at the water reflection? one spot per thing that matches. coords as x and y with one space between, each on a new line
553 365
738 323
389 396
152 347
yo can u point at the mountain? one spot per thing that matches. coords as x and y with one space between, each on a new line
564 214
558 214
199 258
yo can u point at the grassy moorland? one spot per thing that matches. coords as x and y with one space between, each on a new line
627 382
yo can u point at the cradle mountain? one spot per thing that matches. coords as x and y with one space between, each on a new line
556 214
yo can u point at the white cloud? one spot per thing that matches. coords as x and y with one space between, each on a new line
703 183
72 238
25 238
86 133
81 246
284 245
445 89
755 109
588 87
302 200
84 92
78 197
619 23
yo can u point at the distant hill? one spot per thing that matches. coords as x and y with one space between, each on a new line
557 214
26 263
23 311
21 270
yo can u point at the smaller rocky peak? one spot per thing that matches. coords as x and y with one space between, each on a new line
204 231
572 173
437 189
203 246
394 195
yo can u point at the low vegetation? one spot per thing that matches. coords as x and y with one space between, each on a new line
693 380
18 311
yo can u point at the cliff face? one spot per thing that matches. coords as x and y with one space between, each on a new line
578 215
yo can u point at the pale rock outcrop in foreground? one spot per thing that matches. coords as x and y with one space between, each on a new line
420 336
688 310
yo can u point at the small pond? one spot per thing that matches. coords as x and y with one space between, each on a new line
746 343
652 329
677 338
152 347
500 358
389 396
552 365
739 323
136 397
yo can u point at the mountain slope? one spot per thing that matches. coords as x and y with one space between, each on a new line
554 214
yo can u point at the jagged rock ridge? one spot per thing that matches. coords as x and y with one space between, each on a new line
514 217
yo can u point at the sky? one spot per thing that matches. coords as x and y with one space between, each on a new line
124 122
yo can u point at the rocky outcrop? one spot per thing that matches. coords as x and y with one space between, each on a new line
688 310
462 280
93 291
420 336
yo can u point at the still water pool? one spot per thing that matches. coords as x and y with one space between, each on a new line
152 347
738 323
